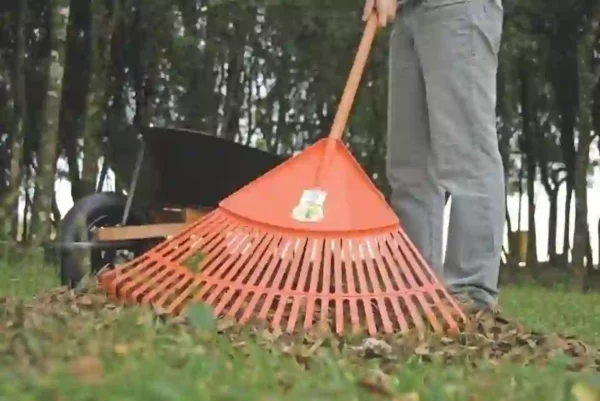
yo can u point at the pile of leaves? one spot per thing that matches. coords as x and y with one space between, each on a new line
58 324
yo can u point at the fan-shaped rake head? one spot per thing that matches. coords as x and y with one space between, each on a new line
376 282
311 241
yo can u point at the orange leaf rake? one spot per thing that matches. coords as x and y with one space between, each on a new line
311 241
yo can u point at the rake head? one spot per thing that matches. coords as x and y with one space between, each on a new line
349 265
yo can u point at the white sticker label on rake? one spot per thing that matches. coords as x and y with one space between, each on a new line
310 208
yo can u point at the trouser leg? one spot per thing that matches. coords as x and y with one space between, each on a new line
416 197
457 42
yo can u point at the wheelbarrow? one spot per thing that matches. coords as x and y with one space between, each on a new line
177 177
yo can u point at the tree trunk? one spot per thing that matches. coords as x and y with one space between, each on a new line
519 210
567 227
143 55
75 89
552 225
596 119
9 202
199 104
587 83
530 160
589 255
26 210
564 81
100 39
139 65
551 184
503 111
276 136
44 193
144 64
36 86
563 64
532 232
512 245
116 116
235 72
6 113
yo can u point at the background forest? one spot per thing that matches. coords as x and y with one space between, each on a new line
77 74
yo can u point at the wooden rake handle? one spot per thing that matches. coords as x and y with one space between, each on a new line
360 60
343 111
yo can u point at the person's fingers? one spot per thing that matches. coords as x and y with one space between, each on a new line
382 13
381 17
394 9
368 9
387 11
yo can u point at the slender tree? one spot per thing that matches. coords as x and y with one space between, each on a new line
44 194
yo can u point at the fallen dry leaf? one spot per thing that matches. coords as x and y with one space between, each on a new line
407 397
376 384
88 369
374 348
225 324
85 300
485 336
584 392
422 349
121 349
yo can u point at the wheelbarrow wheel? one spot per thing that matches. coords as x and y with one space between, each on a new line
103 209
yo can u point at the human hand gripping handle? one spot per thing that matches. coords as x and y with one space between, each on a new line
376 12
385 9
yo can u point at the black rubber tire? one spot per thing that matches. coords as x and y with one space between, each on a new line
102 209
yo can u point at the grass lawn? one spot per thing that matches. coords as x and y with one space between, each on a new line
63 347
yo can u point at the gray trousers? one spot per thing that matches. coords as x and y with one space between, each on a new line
442 137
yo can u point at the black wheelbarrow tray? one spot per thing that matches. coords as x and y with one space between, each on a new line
178 176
